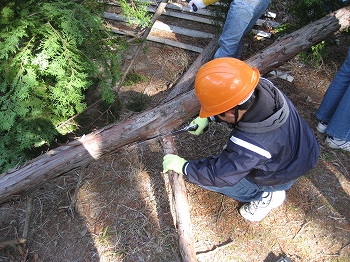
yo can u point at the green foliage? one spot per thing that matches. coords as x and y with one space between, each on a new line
282 29
50 53
319 52
135 12
134 78
309 11
315 54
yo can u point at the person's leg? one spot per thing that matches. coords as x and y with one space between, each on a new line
240 19
336 92
243 191
262 199
246 190
339 125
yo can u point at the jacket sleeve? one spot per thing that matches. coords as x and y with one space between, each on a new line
226 169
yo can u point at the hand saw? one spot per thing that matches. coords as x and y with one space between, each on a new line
182 130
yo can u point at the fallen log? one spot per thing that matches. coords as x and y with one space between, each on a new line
179 193
80 152
156 121
290 45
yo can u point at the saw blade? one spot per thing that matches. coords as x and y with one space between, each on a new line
182 130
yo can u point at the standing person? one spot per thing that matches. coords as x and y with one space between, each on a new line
334 111
270 145
240 19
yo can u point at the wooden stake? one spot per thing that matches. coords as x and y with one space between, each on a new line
183 219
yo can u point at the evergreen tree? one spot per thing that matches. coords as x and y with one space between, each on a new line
50 53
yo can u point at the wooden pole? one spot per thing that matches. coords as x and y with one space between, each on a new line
181 206
156 15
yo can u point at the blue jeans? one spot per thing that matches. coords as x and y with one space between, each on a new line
246 190
240 19
335 105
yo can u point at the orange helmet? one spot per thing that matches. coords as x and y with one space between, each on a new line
223 83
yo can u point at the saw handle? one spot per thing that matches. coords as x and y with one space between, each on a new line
194 7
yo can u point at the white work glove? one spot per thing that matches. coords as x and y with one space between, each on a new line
202 123
198 3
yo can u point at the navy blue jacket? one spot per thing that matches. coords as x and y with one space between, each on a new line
271 145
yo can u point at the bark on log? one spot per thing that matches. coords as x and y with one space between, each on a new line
182 210
78 153
159 120
290 45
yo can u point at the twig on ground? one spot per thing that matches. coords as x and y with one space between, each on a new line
90 106
12 242
28 214
301 229
343 229
221 209
341 249
215 249
74 198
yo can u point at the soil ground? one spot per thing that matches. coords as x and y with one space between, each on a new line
122 210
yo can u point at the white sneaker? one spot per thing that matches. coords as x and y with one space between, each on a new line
321 127
337 143
258 210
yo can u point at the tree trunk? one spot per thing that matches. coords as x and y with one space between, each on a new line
159 120
78 153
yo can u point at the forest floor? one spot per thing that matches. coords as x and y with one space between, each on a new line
123 212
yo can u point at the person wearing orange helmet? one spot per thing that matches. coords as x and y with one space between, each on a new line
270 145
